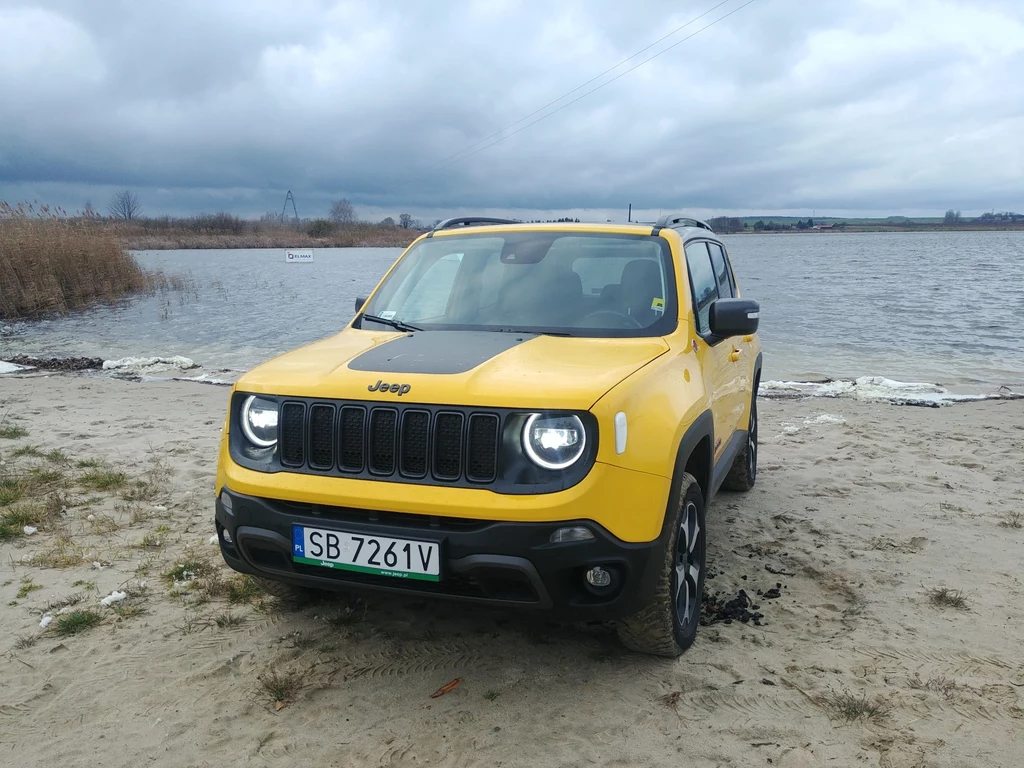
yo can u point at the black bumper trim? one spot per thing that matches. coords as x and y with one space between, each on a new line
495 563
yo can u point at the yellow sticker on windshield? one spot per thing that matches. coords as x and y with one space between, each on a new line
658 304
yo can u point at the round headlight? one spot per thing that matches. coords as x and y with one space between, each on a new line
554 442
259 421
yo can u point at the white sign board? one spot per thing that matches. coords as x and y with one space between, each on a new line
298 256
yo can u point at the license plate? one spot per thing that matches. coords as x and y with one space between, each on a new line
364 553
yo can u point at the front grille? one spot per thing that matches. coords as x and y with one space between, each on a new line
390 441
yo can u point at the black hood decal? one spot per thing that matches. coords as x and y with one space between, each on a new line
437 352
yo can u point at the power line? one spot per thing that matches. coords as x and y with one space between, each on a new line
578 87
592 90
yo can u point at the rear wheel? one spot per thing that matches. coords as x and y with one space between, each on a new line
667 625
743 473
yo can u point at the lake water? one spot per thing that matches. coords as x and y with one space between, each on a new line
945 308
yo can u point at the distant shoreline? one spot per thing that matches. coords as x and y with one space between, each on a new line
867 228
372 237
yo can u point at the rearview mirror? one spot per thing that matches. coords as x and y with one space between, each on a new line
734 317
359 302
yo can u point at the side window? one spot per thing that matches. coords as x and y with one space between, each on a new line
702 280
726 290
430 294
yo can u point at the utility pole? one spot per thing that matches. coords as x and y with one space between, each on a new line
291 197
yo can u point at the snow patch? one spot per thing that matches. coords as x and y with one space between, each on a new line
113 597
877 389
6 367
825 418
149 364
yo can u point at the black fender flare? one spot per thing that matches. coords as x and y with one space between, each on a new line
701 427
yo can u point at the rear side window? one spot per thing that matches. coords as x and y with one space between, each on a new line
702 280
726 290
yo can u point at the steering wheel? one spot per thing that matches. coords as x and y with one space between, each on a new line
625 321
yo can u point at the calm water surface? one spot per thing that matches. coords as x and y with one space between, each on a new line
946 308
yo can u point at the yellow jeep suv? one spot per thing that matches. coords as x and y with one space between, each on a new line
523 415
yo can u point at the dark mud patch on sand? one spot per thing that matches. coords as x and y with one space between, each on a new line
57 363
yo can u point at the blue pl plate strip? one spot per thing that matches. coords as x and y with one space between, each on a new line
298 542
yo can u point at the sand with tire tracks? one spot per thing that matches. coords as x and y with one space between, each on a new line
861 515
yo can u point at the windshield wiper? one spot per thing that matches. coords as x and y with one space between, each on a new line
398 325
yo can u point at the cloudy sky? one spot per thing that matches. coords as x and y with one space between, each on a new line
834 106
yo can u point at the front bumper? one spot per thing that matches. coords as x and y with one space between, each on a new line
493 562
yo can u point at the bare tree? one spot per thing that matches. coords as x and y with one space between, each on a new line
342 212
405 220
125 205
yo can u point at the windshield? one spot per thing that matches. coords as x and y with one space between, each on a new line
576 284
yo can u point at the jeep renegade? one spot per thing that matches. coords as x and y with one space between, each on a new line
523 415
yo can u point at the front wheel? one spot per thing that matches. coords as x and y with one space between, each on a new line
667 625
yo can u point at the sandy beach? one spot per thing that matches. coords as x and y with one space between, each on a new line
892 535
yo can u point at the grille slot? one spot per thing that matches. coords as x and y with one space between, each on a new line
321 436
448 446
293 451
383 423
482 463
415 440
352 438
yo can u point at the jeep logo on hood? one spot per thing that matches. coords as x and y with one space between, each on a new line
399 389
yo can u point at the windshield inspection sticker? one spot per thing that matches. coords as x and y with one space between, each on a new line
658 305
388 314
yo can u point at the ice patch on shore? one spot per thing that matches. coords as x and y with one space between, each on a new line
114 597
6 367
149 364
825 418
877 389
202 378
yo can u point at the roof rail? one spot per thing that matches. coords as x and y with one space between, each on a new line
673 220
468 221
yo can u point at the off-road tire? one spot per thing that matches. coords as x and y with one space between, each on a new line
655 629
288 593
743 473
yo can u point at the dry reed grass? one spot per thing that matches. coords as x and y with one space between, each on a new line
143 236
53 264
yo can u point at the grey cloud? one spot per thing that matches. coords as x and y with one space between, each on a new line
861 105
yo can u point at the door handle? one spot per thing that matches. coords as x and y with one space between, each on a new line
734 355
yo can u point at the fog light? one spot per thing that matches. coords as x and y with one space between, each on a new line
574 533
225 501
226 536
599 577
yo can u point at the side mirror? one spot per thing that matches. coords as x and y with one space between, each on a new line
359 302
734 317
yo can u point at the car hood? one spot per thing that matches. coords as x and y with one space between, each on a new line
511 370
